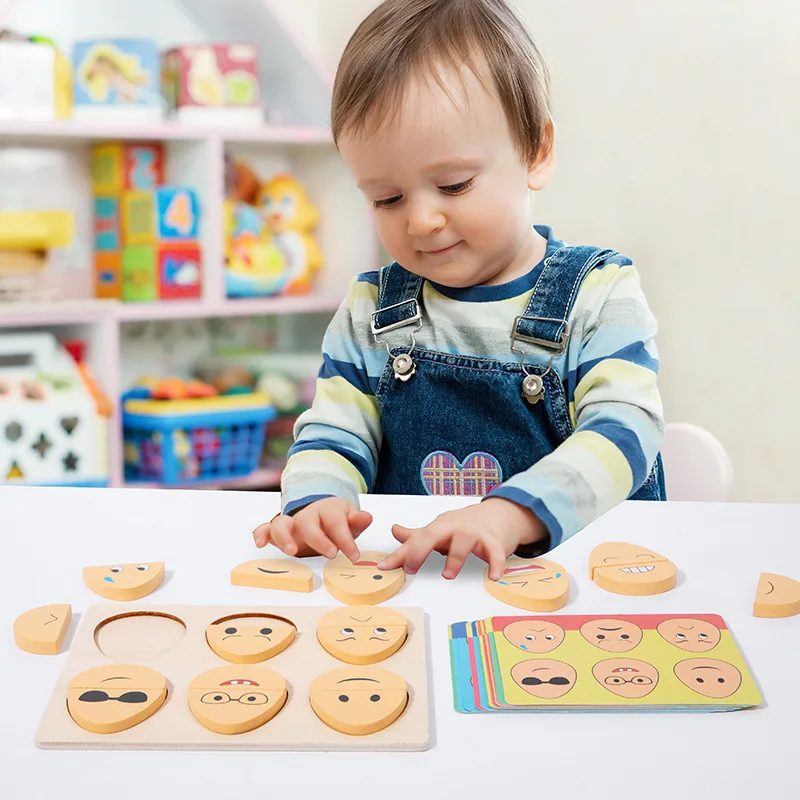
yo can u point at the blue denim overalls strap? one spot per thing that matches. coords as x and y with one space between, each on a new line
459 424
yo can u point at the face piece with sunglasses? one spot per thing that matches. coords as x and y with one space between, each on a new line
115 697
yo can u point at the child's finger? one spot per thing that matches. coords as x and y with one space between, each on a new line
309 530
337 530
281 530
416 549
395 559
401 534
359 521
460 548
495 555
261 535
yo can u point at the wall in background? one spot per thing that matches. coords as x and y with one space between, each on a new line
678 131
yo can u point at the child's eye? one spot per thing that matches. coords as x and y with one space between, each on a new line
458 188
389 202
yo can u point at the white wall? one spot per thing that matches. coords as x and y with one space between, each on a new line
678 141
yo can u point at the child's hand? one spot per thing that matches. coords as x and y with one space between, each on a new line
492 530
321 528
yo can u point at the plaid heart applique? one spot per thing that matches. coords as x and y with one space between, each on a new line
475 476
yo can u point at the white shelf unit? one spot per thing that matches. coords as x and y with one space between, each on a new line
300 142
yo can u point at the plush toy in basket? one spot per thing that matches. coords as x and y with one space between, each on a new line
179 433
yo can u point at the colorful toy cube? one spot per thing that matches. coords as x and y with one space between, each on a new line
117 78
167 215
121 167
140 280
204 82
108 275
180 272
107 228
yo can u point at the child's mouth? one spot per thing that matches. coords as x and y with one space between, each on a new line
442 251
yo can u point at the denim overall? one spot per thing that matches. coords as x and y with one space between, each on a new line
458 407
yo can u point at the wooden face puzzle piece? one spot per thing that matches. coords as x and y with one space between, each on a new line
776 596
115 697
125 581
232 700
625 568
362 634
534 636
358 700
709 676
626 677
361 583
274 573
612 635
534 584
250 639
41 630
544 678
691 635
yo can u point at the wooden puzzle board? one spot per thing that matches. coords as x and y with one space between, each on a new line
173 727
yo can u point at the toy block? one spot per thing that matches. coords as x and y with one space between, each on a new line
180 272
251 639
41 630
107 227
625 568
143 166
108 174
108 274
139 274
274 573
532 584
231 701
139 218
777 596
125 581
178 212
361 583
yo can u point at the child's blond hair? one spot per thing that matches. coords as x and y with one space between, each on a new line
402 39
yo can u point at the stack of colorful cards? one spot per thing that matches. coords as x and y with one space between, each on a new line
642 662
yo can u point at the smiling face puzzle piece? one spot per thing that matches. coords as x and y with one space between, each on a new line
361 583
362 634
232 700
534 636
125 581
41 630
250 639
533 584
115 697
709 676
358 700
626 677
613 635
274 573
544 678
625 568
691 635
776 597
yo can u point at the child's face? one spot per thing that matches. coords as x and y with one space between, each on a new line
451 195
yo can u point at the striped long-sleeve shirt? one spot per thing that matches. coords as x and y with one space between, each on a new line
609 371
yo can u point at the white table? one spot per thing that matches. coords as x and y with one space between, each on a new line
48 535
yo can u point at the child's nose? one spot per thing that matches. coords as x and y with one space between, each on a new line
424 219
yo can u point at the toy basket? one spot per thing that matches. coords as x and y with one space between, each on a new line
182 442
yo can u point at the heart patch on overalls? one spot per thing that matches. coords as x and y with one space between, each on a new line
475 476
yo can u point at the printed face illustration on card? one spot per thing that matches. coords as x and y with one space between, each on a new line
692 635
625 568
613 635
626 677
362 634
361 583
233 700
544 678
709 676
534 636
115 697
531 584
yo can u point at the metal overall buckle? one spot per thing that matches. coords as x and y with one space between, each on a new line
402 364
533 385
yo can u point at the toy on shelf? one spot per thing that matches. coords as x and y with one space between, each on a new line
269 249
35 79
117 80
53 425
146 234
25 238
191 436
212 84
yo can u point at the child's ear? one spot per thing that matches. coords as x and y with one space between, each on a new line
541 169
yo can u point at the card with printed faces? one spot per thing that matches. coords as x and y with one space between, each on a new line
624 662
